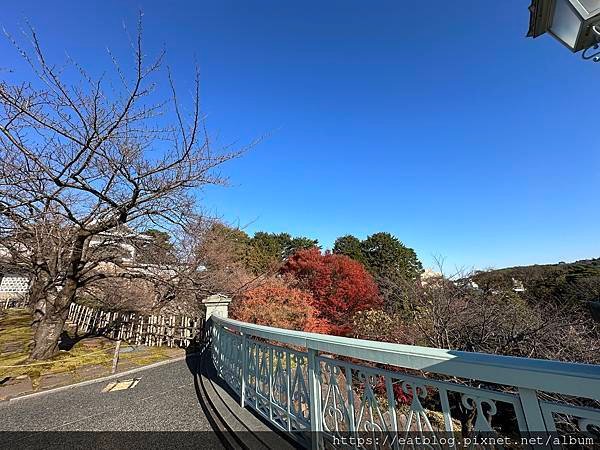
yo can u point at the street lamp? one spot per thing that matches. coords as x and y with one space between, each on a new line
575 23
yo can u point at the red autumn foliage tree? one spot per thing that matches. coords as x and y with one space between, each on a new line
340 286
276 304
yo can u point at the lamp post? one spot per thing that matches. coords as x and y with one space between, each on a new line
575 23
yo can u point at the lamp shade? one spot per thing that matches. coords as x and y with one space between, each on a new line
569 21
566 24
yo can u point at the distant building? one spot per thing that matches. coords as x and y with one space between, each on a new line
14 283
429 275
518 285
122 241
14 286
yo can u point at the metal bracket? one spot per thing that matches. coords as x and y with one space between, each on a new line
595 49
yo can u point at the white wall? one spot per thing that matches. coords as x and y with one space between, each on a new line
14 283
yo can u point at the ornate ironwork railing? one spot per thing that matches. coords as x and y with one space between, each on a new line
334 388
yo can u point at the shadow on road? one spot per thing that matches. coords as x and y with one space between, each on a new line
200 365
235 427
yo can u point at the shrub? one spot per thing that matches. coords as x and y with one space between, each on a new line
276 304
340 286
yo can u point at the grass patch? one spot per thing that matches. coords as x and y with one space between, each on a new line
15 329
148 356
16 339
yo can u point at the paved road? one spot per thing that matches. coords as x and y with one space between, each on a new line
164 400
183 396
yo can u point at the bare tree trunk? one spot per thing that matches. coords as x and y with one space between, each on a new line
466 425
39 310
37 298
464 415
47 336
52 323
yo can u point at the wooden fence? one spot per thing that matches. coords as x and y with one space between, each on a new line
137 329
7 301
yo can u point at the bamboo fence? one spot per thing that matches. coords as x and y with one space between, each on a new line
137 329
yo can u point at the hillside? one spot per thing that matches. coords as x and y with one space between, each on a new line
563 282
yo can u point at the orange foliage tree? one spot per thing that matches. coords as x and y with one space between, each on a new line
340 286
276 304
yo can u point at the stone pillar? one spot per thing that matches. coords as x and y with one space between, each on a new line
217 305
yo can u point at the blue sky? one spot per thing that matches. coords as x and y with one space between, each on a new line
438 121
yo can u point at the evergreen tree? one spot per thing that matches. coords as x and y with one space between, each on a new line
268 250
350 246
393 265
386 257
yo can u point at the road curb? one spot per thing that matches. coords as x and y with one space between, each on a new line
98 380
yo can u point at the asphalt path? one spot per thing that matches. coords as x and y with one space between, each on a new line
162 411
177 405
164 400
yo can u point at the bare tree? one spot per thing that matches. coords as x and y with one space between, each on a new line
78 160
452 312
212 260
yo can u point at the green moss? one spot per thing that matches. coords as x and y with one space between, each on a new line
16 334
15 340
148 356
15 330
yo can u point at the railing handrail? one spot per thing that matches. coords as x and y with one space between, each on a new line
544 375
